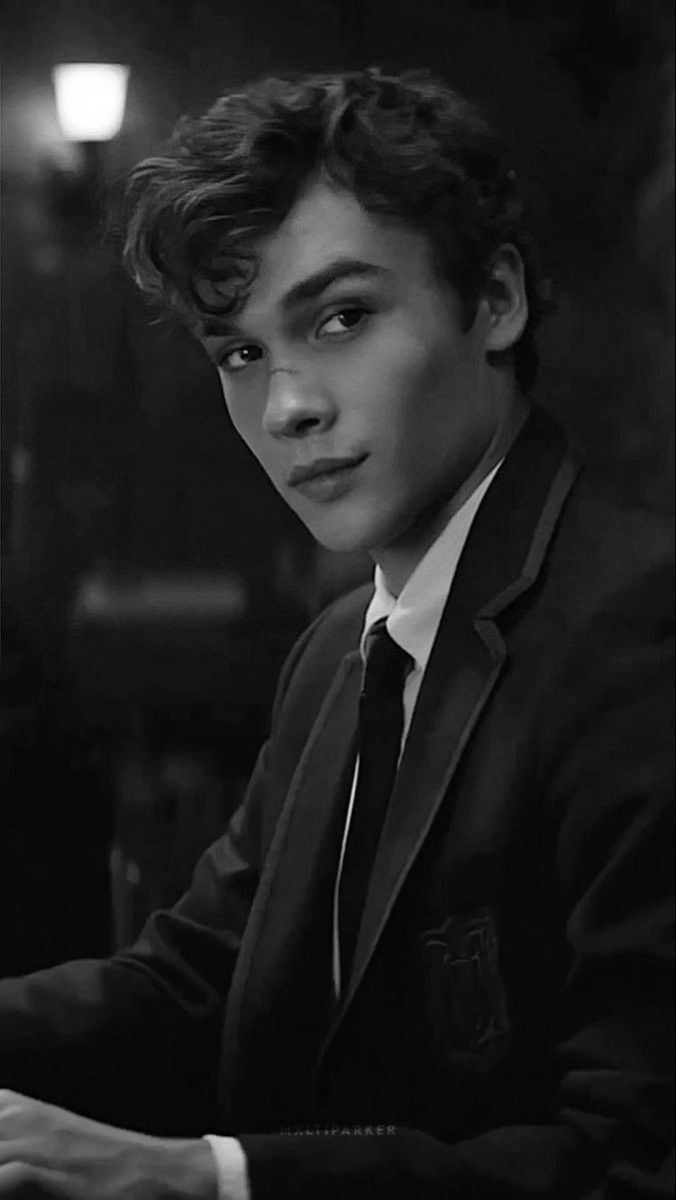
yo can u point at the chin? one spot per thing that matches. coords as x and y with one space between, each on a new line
351 534
340 541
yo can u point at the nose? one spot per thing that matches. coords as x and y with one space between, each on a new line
295 405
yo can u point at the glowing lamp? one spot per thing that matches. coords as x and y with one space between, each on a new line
90 99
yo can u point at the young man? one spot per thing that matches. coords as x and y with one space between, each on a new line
430 955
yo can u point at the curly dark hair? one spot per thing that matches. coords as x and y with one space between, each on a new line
405 145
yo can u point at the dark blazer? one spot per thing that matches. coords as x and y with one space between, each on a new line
507 1025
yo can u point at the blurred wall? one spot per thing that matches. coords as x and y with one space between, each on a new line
128 468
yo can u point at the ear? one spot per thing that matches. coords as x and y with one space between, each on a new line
504 300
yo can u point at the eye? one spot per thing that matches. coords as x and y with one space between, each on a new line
239 358
342 322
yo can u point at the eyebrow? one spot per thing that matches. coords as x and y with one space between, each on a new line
307 289
340 268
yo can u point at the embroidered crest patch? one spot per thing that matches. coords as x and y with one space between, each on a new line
465 994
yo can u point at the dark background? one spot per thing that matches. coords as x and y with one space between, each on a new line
151 580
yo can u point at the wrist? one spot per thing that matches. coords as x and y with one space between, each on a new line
190 1172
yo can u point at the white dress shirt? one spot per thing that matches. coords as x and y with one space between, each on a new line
412 622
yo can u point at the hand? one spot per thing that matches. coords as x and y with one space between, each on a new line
47 1152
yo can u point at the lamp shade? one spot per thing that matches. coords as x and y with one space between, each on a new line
90 99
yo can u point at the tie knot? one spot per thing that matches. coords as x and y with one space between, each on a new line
385 661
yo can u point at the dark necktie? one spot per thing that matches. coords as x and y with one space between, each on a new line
380 729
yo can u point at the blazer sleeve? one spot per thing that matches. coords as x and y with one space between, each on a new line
605 772
134 1039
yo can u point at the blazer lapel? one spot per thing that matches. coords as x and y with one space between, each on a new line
302 849
277 948
501 559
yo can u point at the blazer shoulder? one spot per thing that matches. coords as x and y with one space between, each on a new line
609 546
341 622
318 652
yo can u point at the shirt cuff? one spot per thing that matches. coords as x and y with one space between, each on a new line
231 1168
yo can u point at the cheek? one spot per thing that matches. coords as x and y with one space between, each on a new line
244 427
422 366
407 361
415 392
244 414
431 415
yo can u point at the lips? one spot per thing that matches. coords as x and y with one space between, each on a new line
323 468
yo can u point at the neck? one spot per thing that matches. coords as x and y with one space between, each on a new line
399 560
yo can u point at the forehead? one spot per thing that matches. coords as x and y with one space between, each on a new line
327 224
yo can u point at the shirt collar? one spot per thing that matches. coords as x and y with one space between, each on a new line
413 618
